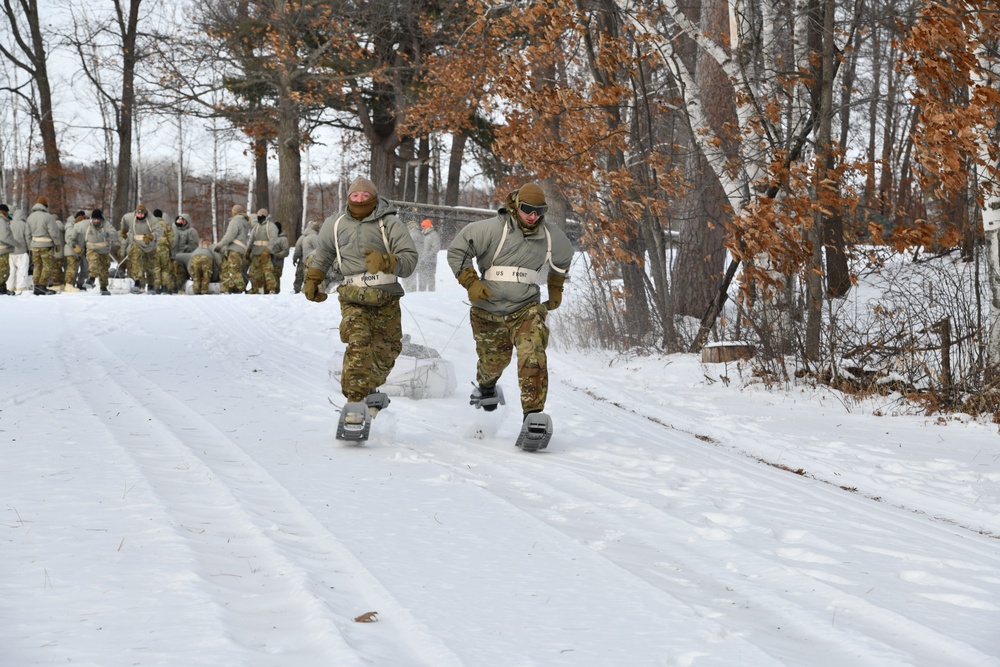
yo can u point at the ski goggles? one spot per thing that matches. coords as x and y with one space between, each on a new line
528 209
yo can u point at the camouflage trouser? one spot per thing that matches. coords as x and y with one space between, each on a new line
180 274
374 336
496 338
279 268
262 274
99 262
4 270
201 273
72 265
232 273
141 266
163 273
300 276
44 260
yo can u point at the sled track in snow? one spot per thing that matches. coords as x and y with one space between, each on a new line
694 553
262 557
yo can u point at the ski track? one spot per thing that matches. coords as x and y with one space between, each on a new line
264 560
655 518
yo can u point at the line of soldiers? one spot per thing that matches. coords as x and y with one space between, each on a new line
159 256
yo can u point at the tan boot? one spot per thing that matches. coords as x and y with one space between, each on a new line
56 288
69 287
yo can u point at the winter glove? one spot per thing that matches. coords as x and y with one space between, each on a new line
471 282
556 281
310 287
376 261
217 248
77 249
124 233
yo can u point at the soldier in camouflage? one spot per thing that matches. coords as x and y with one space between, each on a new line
97 239
163 269
6 248
278 257
141 235
186 240
45 237
232 246
512 251
203 265
263 238
369 246
72 252
305 245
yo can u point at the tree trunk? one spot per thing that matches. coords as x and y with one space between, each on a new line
456 156
127 26
262 183
289 161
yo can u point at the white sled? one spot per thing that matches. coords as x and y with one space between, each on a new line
120 285
410 377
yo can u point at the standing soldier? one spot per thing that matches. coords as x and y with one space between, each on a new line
512 251
369 246
232 246
6 248
139 231
71 252
304 246
263 239
186 240
278 257
163 271
19 259
97 239
45 239
427 266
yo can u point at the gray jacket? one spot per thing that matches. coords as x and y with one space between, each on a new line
479 241
6 237
22 235
354 236
281 248
144 233
236 236
429 254
262 235
42 226
186 239
101 238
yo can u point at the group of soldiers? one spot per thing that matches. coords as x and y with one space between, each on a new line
45 255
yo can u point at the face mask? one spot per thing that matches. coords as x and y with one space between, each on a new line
261 218
180 224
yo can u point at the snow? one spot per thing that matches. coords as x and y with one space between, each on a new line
172 494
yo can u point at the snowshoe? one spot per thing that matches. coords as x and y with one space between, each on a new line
487 398
536 431
355 422
376 401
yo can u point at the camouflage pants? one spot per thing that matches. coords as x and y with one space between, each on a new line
497 336
72 265
262 274
232 273
163 273
279 268
201 273
300 277
99 262
141 266
374 336
4 269
44 260
180 274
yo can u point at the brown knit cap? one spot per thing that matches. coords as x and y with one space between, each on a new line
362 184
43 200
140 207
237 209
263 212
531 193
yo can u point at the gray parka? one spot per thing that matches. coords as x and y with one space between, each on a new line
101 238
144 233
186 239
479 240
6 237
357 235
186 257
236 236
263 235
22 235
42 225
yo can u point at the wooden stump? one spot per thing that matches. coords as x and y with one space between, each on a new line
724 351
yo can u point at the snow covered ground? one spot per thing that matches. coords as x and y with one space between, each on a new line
172 494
